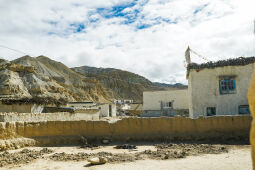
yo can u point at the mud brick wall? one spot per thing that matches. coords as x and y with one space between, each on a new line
91 114
133 128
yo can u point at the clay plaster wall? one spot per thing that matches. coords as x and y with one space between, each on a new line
21 108
133 128
59 116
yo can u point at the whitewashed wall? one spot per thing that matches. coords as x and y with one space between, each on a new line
152 99
204 90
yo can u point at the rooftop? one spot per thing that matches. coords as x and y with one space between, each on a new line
241 61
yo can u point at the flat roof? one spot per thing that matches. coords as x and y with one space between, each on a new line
241 61
80 102
184 88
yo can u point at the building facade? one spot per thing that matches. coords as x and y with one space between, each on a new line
219 88
106 109
165 103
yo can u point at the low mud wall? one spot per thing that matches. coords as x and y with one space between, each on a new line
59 116
177 128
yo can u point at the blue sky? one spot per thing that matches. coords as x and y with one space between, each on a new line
148 37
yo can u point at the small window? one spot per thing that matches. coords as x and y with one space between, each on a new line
227 85
244 109
169 104
210 111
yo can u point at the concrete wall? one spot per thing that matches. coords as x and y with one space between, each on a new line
152 99
218 127
21 108
60 116
204 90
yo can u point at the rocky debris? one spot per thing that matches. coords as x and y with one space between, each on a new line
194 149
163 152
97 160
111 158
22 157
125 146
69 157
85 143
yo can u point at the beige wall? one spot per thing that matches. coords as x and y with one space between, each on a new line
21 108
133 128
204 90
80 104
152 99
104 109
60 116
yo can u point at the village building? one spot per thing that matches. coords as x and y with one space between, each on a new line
105 109
84 104
165 103
134 109
219 88
125 101
21 107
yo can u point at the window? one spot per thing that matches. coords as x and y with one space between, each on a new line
244 109
167 104
211 111
227 85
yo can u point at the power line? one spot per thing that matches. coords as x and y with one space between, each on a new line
13 49
100 75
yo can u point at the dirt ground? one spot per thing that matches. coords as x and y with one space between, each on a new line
146 156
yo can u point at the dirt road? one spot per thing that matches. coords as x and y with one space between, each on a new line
173 156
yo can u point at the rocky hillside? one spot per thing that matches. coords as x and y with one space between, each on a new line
29 77
39 79
123 84
176 85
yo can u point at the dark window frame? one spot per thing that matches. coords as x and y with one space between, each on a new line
227 85
212 109
242 107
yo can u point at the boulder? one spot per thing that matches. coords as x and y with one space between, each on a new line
97 160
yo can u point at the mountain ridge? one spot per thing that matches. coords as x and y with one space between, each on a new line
42 77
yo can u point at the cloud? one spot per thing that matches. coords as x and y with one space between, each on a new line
147 37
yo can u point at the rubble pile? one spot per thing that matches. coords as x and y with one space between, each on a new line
163 152
24 156
125 146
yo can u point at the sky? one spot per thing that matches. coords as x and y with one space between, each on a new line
147 37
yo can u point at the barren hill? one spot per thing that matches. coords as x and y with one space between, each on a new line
29 77
123 84
32 78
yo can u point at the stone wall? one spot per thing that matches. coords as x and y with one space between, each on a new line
59 116
220 127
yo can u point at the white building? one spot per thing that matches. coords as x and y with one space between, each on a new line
165 103
219 88
106 109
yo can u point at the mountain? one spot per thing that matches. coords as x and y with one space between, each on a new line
176 85
40 79
29 77
123 84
